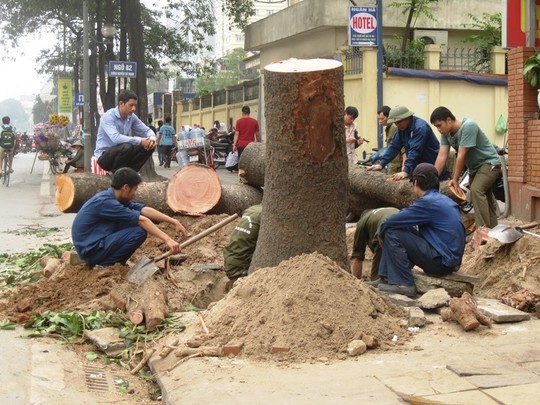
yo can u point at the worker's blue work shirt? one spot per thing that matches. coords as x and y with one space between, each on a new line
420 144
439 222
101 216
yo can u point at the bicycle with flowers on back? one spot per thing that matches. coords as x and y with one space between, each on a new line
48 139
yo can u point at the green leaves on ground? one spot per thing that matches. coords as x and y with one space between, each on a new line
71 325
7 325
17 268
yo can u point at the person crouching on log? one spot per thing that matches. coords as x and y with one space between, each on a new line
428 234
115 146
110 226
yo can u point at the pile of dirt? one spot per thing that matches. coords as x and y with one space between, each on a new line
307 304
504 268
80 288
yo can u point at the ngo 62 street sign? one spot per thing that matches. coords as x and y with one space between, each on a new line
122 69
362 26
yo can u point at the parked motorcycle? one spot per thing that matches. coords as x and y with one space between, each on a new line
222 148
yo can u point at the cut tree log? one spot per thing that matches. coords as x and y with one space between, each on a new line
194 190
367 189
50 265
236 198
74 189
251 164
464 311
306 185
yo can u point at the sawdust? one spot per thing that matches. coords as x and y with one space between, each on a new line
307 305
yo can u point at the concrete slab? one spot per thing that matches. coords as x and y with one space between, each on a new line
425 381
519 353
516 394
107 340
500 312
533 367
463 397
503 380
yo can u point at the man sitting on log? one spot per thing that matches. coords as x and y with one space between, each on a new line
366 235
415 136
428 234
238 253
110 226
115 145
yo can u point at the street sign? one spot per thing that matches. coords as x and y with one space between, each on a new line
79 99
363 26
123 69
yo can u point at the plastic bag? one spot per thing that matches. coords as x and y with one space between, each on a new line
501 126
232 160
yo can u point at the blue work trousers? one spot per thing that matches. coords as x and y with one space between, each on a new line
118 247
405 248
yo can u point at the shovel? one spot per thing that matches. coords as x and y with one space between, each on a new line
507 234
146 267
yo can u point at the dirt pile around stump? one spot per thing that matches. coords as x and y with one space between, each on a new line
307 304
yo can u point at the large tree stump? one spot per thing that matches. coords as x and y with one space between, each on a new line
306 185
194 190
235 198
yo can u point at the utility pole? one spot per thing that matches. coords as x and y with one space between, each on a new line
88 152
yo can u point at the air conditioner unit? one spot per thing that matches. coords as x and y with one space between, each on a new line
437 37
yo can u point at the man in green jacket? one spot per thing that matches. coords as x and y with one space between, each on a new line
239 251
366 236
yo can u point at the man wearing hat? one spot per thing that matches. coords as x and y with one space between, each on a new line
415 136
428 234
77 161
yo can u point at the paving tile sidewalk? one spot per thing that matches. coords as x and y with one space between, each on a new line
441 363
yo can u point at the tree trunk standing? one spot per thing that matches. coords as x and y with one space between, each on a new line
136 49
306 184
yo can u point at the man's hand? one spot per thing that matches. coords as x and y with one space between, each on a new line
174 246
400 176
180 228
148 143
374 167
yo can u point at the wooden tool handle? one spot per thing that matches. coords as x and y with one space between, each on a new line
199 236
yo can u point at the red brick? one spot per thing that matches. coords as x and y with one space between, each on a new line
280 349
233 348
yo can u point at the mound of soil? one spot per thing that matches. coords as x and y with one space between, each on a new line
307 304
501 267
80 288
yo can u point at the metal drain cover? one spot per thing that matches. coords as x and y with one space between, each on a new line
96 379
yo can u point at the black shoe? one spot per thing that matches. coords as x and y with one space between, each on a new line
374 283
407 290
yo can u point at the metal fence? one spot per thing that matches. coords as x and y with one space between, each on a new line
466 59
463 59
352 61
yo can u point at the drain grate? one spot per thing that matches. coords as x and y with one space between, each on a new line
96 379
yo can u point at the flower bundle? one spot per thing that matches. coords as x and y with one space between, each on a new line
47 135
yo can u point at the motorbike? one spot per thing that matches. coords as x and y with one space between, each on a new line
222 148
197 150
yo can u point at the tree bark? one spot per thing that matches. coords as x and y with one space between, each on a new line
306 185
235 198
251 164
74 189
367 189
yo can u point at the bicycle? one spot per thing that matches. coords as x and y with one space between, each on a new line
6 169
57 160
